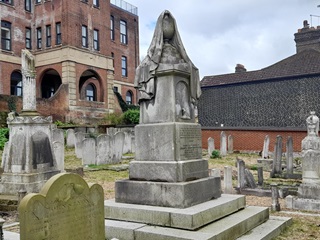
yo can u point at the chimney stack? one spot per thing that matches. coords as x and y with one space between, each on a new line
307 38
240 68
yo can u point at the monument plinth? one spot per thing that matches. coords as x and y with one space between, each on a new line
28 159
168 169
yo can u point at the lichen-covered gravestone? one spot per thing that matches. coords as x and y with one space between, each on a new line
66 208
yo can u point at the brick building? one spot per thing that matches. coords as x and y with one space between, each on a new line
275 100
84 51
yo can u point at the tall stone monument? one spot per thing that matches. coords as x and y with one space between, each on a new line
28 158
168 167
309 191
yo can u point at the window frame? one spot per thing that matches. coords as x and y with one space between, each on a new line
27 5
93 97
38 1
131 97
16 85
28 38
6 39
96 3
96 44
124 66
112 28
39 38
123 32
48 36
10 2
84 39
58 33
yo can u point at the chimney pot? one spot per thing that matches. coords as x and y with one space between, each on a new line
240 68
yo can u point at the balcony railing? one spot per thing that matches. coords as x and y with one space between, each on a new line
125 6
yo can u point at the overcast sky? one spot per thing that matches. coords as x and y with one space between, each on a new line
218 34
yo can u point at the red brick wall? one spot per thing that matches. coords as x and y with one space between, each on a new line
252 140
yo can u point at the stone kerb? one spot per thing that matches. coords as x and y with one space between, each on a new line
66 208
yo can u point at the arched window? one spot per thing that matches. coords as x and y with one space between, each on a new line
16 84
129 97
90 92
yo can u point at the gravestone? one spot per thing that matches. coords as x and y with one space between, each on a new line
71 138
210 146
58 149
289 155
265 151
260 176
230 144
66 208
58 135
227 180
117 147
241 174
88 151
28 160
250 179
277 157
223 144
103 149
79 137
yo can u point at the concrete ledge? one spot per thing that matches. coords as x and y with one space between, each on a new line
302 203
188 218
269 229
164 194
121 230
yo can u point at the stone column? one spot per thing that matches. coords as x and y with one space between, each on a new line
277 156
275 197
223 144
227 179
241 174
260 176
265 151
289 155
230 144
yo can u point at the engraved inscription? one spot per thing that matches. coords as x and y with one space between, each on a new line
190 143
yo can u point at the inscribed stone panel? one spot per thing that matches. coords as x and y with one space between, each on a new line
66 208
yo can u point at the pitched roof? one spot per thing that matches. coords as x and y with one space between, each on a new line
306 62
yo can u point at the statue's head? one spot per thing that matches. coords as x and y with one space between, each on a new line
168 26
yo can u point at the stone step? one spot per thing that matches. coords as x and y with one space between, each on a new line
268 230
227 228
185 218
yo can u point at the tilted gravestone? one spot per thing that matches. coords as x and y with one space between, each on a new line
66 208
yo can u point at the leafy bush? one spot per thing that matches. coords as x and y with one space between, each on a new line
4 136
215 154
131 116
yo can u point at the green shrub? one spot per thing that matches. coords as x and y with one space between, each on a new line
131 116
215 154
4 136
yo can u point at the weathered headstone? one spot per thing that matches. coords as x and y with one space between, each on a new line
230 144
289 155
79 137
133 144
127 145
58 149
241 174
260 176
117 147
277 158
210 145
88 151
227 180
275 206
66 208
58 135
71 138
103 149
265 151
250 179
223 144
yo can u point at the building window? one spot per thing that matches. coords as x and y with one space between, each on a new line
96 39
96 3
16 84
84 36
58 33
90 92
129 97
27 5
28 38
7 1
48 35
39 38
112 56
124 66
115 89
123 32
5 35
112 27
38 1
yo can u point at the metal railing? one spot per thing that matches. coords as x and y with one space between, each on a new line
125 6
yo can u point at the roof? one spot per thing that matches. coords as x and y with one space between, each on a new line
306 62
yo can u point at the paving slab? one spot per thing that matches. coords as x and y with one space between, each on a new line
11 235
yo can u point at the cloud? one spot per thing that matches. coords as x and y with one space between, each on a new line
219 34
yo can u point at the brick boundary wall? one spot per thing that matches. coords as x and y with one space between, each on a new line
252 139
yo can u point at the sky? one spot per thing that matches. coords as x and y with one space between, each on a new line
218 34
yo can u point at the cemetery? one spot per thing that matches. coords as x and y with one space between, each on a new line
153 181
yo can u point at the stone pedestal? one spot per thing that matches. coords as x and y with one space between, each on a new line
28 160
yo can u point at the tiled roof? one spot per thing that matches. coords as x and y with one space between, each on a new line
301 64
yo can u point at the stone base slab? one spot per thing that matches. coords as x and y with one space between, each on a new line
187 218
171 171
229 227
309 191
12 183
164 194
302 203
